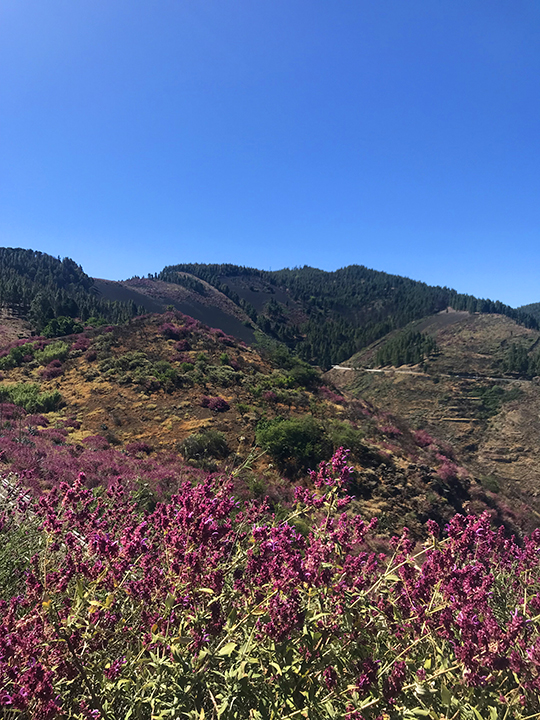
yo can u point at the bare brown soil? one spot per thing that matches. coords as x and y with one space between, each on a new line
213 309
12 326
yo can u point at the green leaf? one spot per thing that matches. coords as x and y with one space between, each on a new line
446 695
227 649
330 709
169 602
80 588
181 640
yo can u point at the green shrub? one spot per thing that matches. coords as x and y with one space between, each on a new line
135 367
343 434
276 381
165 373
62 326
304 375
204 446
28 396
15 356
96 322
295 444
18 543
223 376
490 483
55 351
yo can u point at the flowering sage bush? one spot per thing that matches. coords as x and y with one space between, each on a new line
207 609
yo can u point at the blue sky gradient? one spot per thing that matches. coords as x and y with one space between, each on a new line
404 136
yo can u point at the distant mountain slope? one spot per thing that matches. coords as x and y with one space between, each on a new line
531 309
328 316
198 300
464 395
41 288
324 317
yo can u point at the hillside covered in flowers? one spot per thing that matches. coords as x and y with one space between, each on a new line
207 607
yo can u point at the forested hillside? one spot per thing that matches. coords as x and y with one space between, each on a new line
532 309
44 289
328 316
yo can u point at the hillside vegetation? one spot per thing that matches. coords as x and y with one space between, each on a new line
52 292
531 309
182 392
328 316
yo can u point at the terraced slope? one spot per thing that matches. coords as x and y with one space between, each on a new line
462 395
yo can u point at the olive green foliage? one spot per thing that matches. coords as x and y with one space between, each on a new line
295 444
55 351
299 372
103 343
145 497
138 369
15 356
343 434
304 375
18 543
204 447
275 380
286 383
242 408
407 348
490 483
28 396
96 322
223 376
279 354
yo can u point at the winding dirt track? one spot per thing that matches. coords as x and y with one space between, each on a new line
395 371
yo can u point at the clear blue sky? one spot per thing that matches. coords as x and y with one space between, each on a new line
399 134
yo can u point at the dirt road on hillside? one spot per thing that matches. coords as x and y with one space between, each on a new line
395 371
